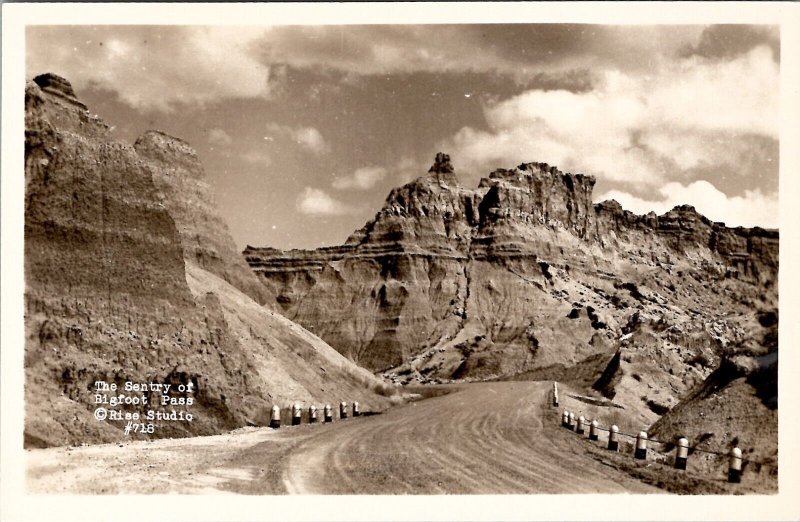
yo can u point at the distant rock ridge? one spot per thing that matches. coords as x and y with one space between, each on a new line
486 275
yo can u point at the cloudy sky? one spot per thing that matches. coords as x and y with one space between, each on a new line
303 130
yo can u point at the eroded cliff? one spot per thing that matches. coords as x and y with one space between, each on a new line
524 272
131 275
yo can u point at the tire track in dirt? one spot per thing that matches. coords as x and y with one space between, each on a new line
484 438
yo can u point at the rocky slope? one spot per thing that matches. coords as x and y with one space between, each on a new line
737 404
131 275
524 273
205 238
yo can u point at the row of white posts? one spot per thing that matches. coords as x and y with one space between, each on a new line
640 452
297 414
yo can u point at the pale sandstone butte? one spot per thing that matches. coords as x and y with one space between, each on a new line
131 275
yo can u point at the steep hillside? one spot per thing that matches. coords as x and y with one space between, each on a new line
737 404
205 239
523 273
132 276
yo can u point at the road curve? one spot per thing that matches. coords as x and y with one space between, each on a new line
482 439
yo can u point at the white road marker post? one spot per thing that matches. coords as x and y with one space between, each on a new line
328 413
555 394
580 429
565 419
297 413
343 410
613 442
275 421
682 455
641 446
735 466
312 414
356 409
571 421
593 430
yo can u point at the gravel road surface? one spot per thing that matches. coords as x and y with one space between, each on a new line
482 438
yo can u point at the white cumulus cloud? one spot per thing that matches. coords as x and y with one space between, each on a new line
317 202
219 137
155 67
362 179
308 138
637 128
257 157
752 209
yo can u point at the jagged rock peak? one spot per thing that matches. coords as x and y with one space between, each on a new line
611 205
541 167
690 209
54 82
155 143
441 164
442 171
528 175
535 167
57 86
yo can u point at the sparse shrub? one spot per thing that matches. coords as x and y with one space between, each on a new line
657 408
385 390
616 416
767 318
700 359
545 267
634 290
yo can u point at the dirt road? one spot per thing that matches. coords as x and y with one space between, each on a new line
482 438
485 438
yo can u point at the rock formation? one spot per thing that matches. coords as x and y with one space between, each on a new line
525 272
205 238
131 275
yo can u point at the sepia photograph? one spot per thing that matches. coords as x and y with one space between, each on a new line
520 257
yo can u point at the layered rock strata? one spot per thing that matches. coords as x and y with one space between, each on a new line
132 276
524 271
